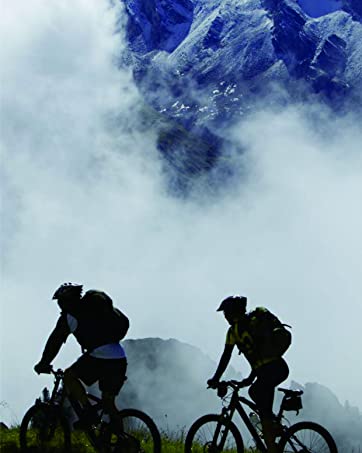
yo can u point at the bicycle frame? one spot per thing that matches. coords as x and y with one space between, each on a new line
235 405
200 431
76 406
103 435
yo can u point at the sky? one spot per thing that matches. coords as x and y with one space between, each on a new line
84 199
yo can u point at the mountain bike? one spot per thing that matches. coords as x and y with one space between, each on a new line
216 433
46 427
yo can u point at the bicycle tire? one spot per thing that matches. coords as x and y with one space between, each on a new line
199 438
140 427
44 428
312 436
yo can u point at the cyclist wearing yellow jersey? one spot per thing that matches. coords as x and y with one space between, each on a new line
250 332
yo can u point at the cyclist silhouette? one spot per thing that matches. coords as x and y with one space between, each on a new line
98 327
251 334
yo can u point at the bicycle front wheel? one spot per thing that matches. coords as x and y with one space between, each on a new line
139 433
211 434
44 429
307 437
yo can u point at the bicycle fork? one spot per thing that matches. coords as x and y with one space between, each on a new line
222 430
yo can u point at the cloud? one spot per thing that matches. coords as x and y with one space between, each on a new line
84 199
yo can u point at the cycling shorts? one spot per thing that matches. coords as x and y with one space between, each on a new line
268 377
110 373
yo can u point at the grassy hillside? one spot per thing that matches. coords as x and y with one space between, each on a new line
9 443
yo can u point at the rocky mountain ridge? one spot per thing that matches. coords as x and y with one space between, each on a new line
249 43
206 64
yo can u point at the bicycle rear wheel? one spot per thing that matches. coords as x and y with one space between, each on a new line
307 437
44 429
210 434
139 434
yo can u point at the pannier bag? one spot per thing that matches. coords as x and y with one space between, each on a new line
293 403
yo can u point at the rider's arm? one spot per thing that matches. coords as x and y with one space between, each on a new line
55 340
224 361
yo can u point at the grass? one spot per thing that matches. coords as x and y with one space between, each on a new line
9 443
9 440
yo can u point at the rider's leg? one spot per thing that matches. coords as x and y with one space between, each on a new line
75 388
262 392
109 404
268 433
84 370
110 385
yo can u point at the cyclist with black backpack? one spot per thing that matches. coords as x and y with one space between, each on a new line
98 327
263 339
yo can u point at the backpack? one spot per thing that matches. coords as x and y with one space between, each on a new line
271 335
121 324
107 322
97 302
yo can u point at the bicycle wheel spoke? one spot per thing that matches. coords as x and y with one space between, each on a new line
138 433
137 430
308 437
207 440
310 442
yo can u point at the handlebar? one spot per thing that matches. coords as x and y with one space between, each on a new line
59 373
222 386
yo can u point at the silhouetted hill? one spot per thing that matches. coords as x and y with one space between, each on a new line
167 379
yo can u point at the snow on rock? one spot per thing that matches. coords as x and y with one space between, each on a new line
203 63
206 42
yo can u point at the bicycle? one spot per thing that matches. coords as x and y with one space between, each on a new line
216 433
45 426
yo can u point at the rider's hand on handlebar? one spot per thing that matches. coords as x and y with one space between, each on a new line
41 367
213 383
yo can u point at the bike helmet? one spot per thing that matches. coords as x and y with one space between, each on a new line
68 290
233 304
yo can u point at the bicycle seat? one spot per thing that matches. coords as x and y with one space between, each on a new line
289 392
